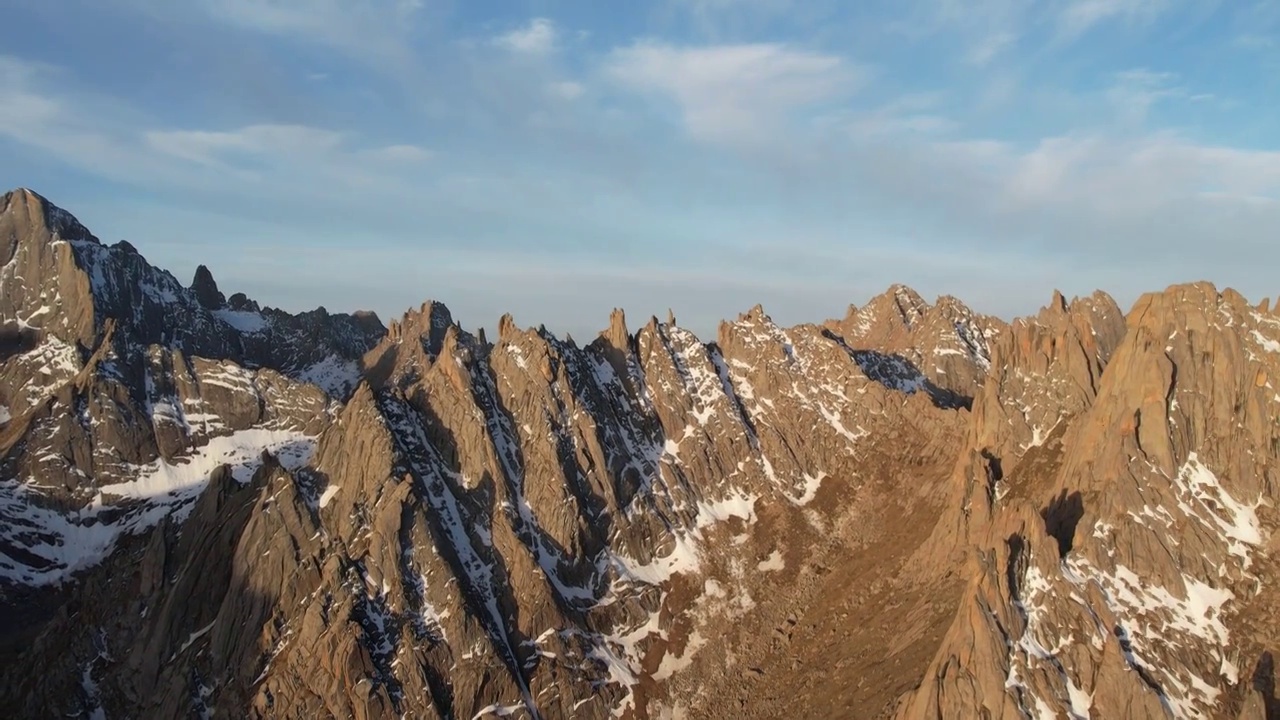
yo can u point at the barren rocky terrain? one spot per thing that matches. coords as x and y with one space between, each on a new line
209 508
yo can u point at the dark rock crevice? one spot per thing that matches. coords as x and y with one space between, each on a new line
1061 516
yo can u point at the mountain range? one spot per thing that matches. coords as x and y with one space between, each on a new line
210 508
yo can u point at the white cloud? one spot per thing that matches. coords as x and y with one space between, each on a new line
1092 190
402 153
712 16
22 108
210 147
993 44
375 32
920 124
330 20
983 29
917 113
698 6
567 89
102 136
989 29
733 92
536 38
80 129
1135 91
294 155
1078 16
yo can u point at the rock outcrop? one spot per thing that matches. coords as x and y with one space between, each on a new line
906 343
1115 568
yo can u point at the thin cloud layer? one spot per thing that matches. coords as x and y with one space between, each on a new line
733 92
536 38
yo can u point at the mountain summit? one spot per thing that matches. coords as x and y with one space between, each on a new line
210 508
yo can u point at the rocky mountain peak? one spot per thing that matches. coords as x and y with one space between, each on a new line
1151 504
755 314
26 214
617 335
427 324
1058 303
945 345
507 327
206 290
888 314
909 304
239 302
1045 369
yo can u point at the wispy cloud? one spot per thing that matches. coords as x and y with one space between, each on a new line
1135 91
259 151
714 18
986 30
918 113
730 93
79 129
1105 193
375 32
402 153
332 22
567 89
110 139
1078 16
990 46
208 147
537 38
21 107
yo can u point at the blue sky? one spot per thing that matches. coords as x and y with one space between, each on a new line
557 159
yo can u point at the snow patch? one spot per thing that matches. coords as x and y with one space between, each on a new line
811 485
1202 497
242 450
1267 343
517 354
834 419
683 558
336 376
740 505
328 495
193 637
672 664
57 544
245 321
1081 701
772 563
497 710
52 359
1150 618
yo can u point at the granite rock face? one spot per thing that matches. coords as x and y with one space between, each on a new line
1119 563
908 344
208 508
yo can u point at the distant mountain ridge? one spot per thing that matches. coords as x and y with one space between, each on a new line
211 508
